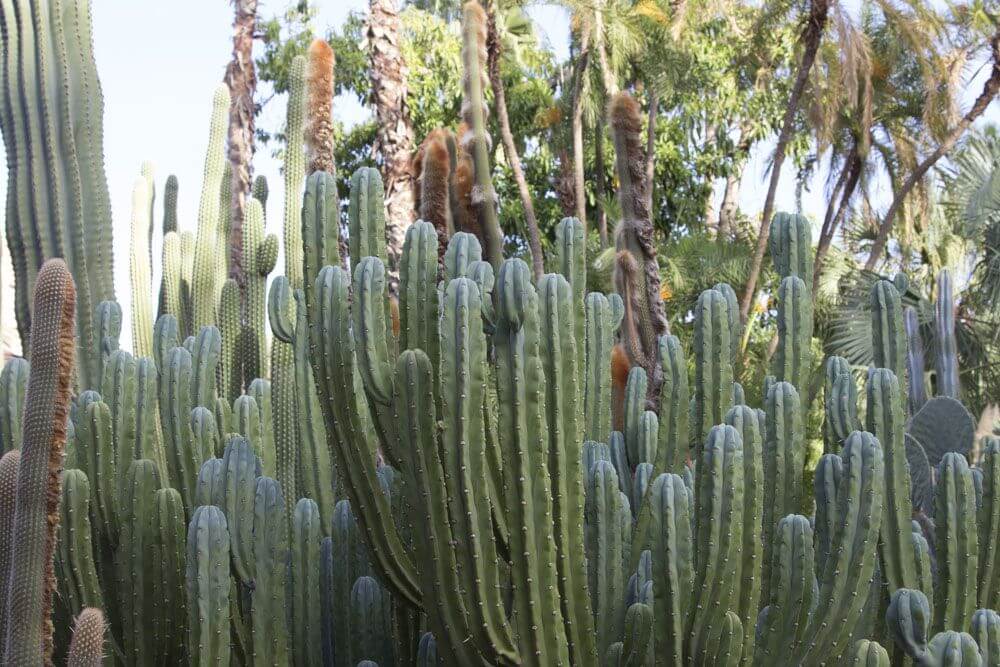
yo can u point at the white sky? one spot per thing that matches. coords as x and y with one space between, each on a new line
159 63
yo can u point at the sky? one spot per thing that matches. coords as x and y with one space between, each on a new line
160 62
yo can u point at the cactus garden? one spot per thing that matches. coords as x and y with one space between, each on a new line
333 439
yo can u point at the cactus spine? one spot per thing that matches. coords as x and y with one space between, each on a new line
32 579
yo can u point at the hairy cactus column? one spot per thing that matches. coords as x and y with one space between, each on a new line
947 347
32 580
637 273
87 647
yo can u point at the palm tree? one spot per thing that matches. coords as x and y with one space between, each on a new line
394 131
241 79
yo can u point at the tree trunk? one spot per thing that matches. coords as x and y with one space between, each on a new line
579 88
810 39
509 147
990 89
730 203
850 175
394 134
241 79
607 76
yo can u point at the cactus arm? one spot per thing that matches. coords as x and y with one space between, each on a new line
840 403
75 551
790 243
826 482
208 587
713 368
140 267
783 461
13 381
634 406
600 330
673 574
907 621
240 466
603 549
205 357
957 543
888 333
793 360
345 411
183 459
148 439
87 647
9 463
985 629
270 544
637 649
917 392
320 228
31 579
230 369
868 653
558 316
989 527
418 309
260 257
952 649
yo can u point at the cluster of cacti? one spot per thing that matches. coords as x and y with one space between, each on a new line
446 474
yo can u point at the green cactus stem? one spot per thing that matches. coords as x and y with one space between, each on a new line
957 544
713 375
270 544
672 450
208 587
305 622
603 316
13 382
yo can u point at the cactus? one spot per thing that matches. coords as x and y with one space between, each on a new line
888 333
13 381
184 458
989 527
603 549
603 316
240 469
840 403
674 406
917 393
868 653
141 263
366 216
952 649
31 581
784 459
793 359
985 630
369 622
946 361
790 243
206 284
638 645
908 620
208 587
885 421
826 486
713 376
793 591
77 573
135 581
58 203
270 544
320 228
168 546
718 536
305 622
957 544
943 425
87 647
260 254
230 375
8 496
418 309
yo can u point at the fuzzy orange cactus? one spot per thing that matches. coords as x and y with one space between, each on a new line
319 106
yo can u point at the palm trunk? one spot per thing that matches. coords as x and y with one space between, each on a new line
990 89
730 203
242 82
811 35
850 175
510 148
394 134
600 179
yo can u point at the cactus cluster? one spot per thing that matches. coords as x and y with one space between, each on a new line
338 472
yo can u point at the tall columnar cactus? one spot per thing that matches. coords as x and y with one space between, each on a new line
206 285
989 528
604 549
792 593
79 586
868 653
13 381
888 332
9 463
370 621
230 375
747 422
208 587
31 581
603 316
840 403
885 418
985 630
790 243
295 170
718 536
669 539
793 359
366 216
305 620
672 450
135 580
475 140
784 459
559 313
141 263
520 384
320 228
57 204
260 254
917 393
946 362
418 278
270 545
183 457
826 485
241 467
166 560
109 329
571 262
637 273
957 544
713 375
847 573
